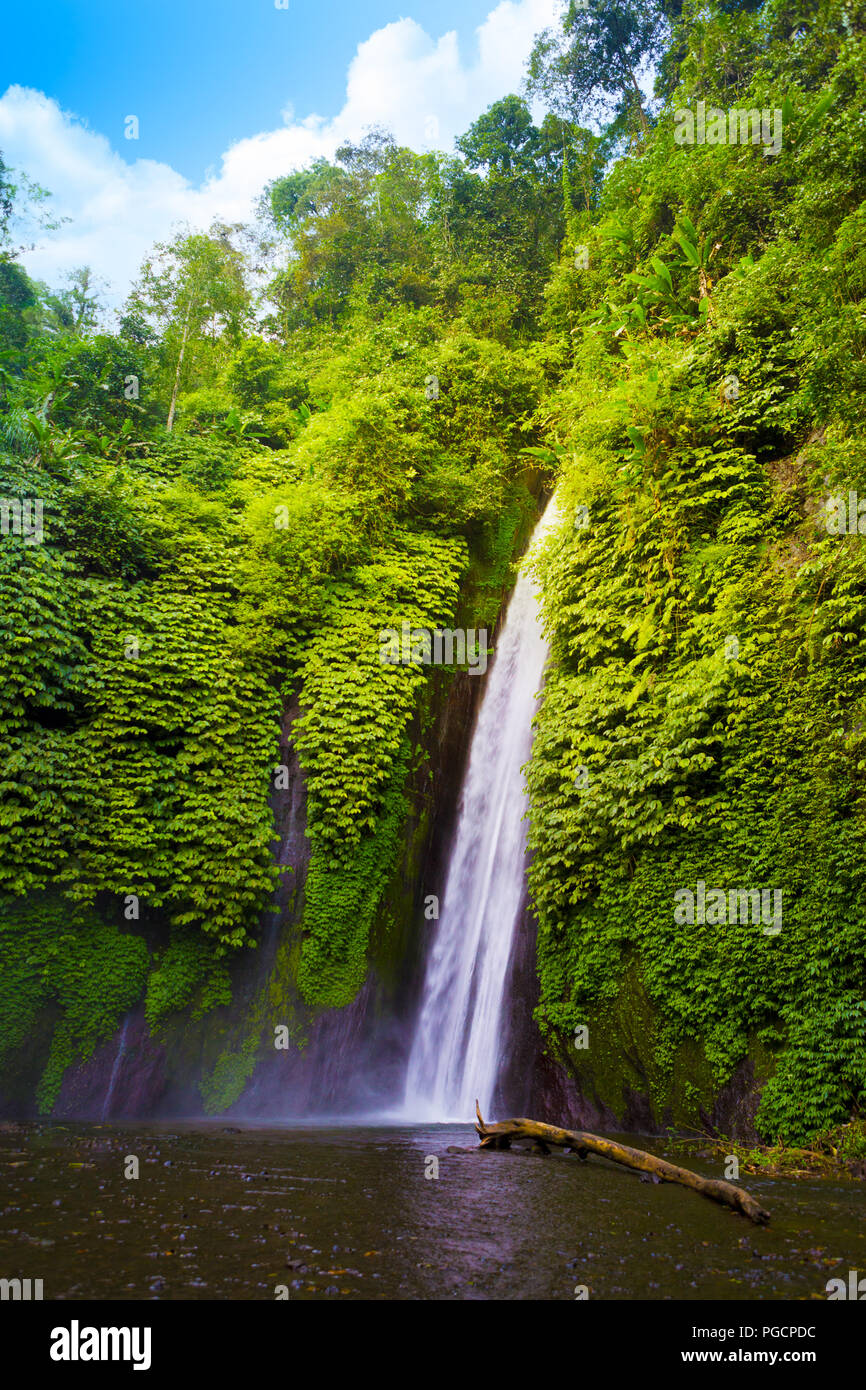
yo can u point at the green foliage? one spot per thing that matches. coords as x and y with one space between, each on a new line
351 743
230 521
706 632
232 1071
234 534
835 1152
84 972
342 894
184 970
591 62
136 746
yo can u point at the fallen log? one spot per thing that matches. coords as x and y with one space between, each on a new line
501 1135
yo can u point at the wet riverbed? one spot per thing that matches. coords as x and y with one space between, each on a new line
348 1212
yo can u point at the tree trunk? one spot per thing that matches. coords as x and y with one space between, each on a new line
500 1136
638 93
176 386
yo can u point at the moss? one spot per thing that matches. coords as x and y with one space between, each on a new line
630 1055
502 540
214 992
626 1057
232 1071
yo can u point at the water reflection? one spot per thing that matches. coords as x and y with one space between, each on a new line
347 1212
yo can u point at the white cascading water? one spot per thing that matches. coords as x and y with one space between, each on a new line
121 1049
456 1049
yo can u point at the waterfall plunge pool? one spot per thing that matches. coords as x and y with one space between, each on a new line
346 1212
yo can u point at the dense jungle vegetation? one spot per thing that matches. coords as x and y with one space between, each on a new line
250 477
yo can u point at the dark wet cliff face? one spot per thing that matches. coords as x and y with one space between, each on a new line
125 1076
532 1081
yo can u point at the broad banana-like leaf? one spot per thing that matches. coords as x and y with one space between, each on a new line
649 282
815 116
661 269
689 251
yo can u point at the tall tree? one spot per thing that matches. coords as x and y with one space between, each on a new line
193 288
83 298
509 219
504 139
590 66
358 230
18 294
7 198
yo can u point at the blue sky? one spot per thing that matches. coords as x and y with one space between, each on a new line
200 74
229 94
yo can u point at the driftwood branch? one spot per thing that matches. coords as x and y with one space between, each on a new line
500 1136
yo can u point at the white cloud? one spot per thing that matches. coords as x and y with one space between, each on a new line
420 88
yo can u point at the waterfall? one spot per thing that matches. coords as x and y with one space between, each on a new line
456 1049
121 1049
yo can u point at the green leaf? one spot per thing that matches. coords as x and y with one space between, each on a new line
690 251
637 439
661 269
